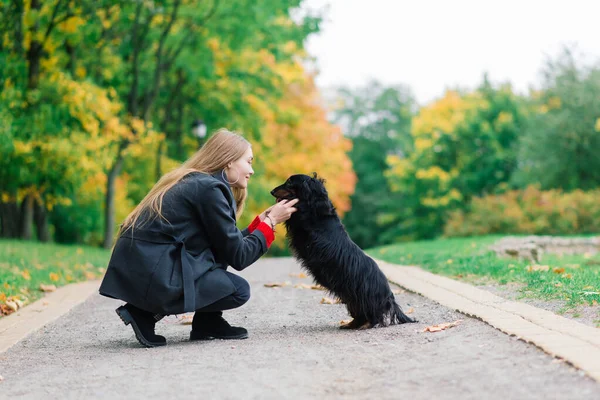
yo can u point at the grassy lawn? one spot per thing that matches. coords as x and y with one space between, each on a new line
574 278
24 266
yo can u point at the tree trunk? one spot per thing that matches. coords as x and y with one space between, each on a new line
27 217
40 216
10 216
109 209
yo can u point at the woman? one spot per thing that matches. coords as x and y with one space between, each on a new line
173 250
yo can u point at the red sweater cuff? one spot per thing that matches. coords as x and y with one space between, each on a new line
267 231
254 224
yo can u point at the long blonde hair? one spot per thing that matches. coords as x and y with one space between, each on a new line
223 148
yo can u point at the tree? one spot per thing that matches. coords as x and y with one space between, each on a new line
464 146
559 146
377 119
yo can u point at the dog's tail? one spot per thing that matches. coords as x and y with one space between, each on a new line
397 316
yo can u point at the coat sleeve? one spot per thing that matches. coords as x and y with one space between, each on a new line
223 235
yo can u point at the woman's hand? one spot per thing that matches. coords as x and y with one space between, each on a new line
282 211
265 213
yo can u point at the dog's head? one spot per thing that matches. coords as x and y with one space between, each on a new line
309 190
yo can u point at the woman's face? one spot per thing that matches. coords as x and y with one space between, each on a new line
241 170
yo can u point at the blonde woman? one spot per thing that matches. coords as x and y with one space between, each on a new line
173 250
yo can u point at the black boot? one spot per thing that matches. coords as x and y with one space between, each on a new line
143 323
211 325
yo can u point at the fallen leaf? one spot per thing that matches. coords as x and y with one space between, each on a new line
567 276
3 296
441 327
558 284
79 251
300 275
537 268
186 319
317 287
90 275
399 291
276 284
328 300
45 302
345 321
584 288
12 305
5 310
54 276
558 270
25 274
410 311
303 286
47 288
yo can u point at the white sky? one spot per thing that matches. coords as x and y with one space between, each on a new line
433 44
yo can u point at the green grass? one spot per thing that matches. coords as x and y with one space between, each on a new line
24 266
468 259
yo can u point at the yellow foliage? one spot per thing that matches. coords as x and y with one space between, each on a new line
554 103
71 24
441 116
433 172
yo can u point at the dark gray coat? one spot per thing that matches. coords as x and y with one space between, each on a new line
179 266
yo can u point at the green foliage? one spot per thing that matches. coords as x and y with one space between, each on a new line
529 211
377 119
559 148
464 146
99 87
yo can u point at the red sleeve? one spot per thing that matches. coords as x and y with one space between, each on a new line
267 231
254 224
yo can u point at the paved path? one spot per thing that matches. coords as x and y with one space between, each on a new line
295 351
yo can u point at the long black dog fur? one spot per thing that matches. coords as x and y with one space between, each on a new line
320 242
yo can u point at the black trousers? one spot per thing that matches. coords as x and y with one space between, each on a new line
234 300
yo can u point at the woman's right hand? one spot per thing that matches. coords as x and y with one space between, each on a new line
282 211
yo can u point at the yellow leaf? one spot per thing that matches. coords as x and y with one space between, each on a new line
275 284
558 270
441 327
25 275
303 286
300 275
90 275
54 277
47 288
544 268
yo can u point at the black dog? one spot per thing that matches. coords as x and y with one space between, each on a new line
322 245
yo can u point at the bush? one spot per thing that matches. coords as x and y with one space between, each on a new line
529 211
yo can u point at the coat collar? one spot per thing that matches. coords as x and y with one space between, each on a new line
221 177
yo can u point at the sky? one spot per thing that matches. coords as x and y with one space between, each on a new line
431 45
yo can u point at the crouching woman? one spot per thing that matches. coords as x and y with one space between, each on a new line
173 250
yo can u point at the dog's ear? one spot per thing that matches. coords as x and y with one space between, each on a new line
314 175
